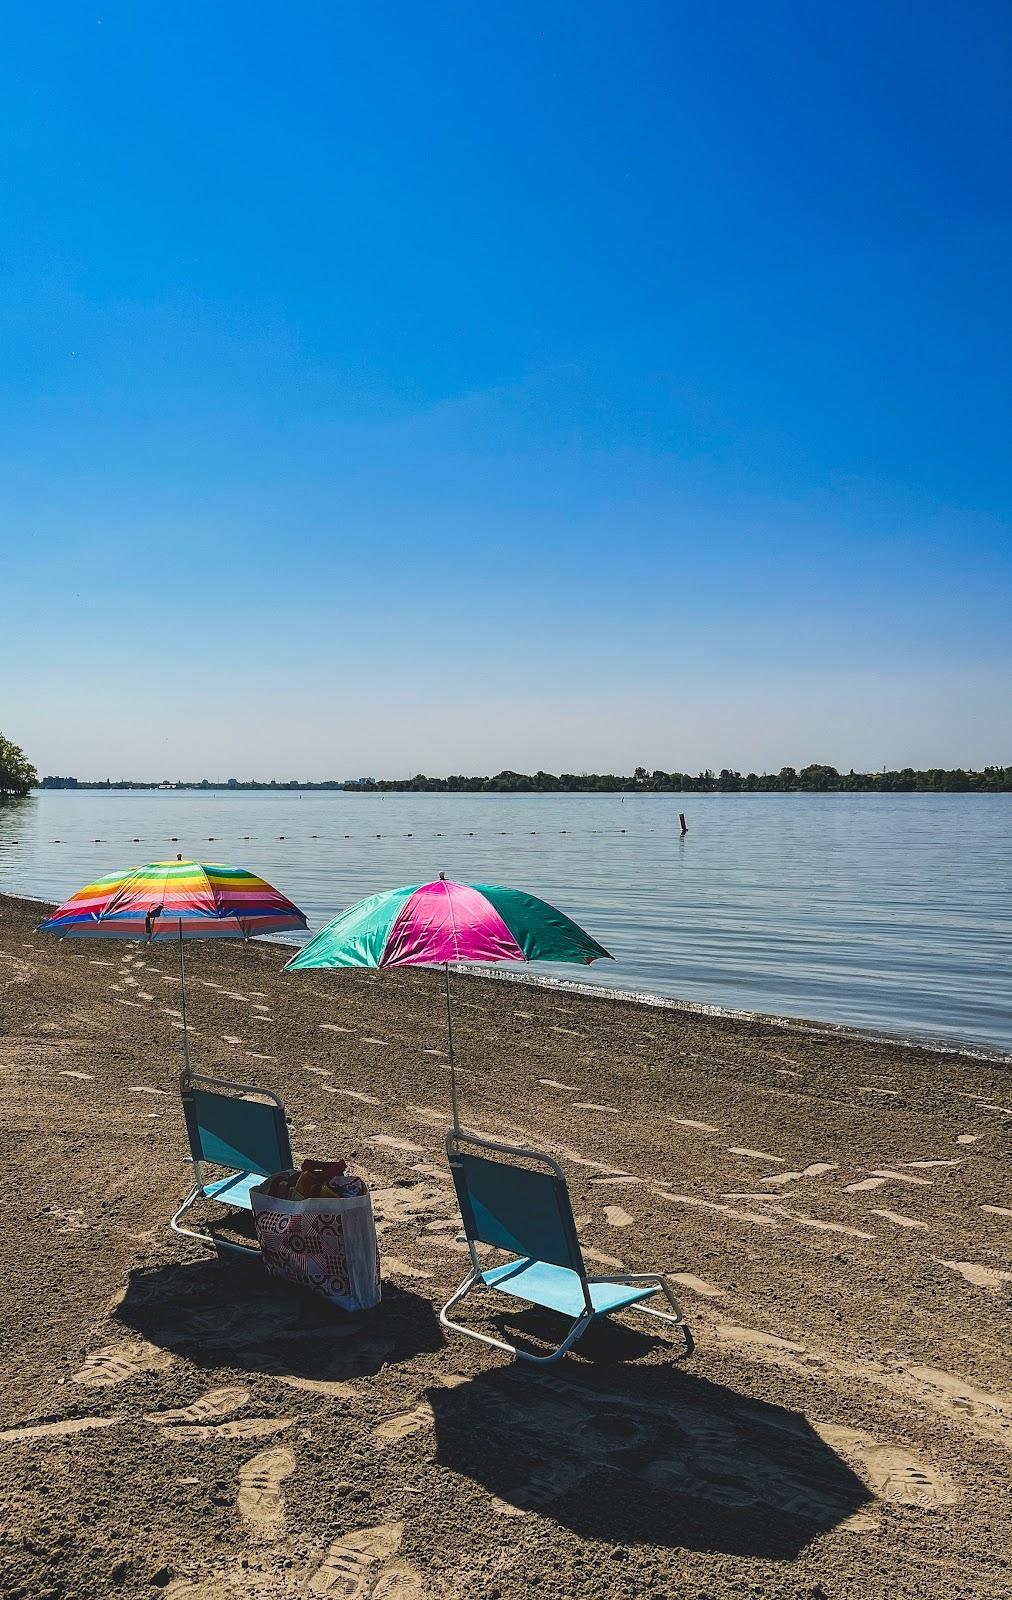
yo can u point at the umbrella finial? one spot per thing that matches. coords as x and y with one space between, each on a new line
442 877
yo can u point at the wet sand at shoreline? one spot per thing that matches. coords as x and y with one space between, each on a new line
837 1211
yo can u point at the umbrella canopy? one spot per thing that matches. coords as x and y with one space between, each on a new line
433 924
172 900
443 923
175 900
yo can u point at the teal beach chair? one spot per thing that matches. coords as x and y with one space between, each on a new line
528 1213
228 1128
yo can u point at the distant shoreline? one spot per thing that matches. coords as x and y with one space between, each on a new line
813 779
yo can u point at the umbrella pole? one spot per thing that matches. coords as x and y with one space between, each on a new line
182 988
449 1035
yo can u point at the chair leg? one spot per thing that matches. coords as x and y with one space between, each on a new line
471 1333
205 1238
675 1315
579 1328
577 1331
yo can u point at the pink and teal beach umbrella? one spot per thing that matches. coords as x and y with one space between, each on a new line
443 923
175 900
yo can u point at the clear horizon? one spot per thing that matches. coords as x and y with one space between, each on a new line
394 391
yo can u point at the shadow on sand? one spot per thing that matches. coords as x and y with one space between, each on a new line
230 1314
653 1454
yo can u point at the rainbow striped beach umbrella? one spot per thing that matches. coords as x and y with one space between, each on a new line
175 900
443 923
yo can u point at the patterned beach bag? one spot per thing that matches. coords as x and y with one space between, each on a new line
328 1246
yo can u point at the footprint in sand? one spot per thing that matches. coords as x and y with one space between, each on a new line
602 1260
332 1027
701 1127
333 1388
952 1161
216 1403
818 1223
421 1415
73 1220
228 1038
260 1501
756 1339
816 1169
396 1268
142 1088
402 1581
997 1211
980 1276
688 1280
617 1217
388 1142
409 1422
900 1220
55 1430
968 1138
892 1472
363 1357
429 1115
83 1077
351 1094
431 1171
592 1105
245 1428
755 1217
966 1400
553 1083
321 1072
901 1177
754 1155
348 1567
116 1363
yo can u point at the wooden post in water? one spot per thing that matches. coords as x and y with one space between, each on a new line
682 823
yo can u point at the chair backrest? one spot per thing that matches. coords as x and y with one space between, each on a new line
514 1208
229 1131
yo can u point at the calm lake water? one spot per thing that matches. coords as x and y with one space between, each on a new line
885 912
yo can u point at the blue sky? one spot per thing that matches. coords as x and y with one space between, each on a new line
401 387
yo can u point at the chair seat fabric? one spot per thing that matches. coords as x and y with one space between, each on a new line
558 1289
234 1190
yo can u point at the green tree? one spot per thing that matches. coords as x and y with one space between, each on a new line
17 775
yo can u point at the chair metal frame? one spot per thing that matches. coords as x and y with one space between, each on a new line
190 1080
475 1277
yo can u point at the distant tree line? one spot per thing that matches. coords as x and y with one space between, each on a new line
816 778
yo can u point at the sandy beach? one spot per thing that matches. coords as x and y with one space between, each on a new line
836 1211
